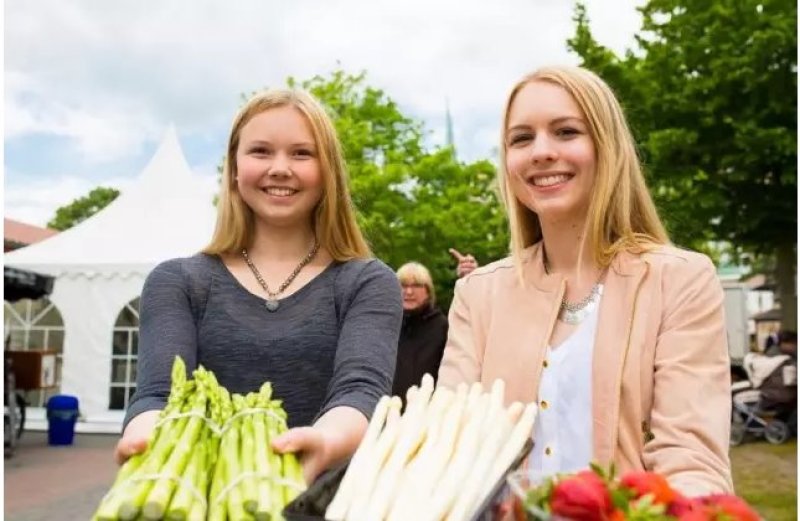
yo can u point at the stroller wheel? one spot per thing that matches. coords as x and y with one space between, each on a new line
738 432
776 432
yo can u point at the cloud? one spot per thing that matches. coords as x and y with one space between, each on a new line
108 79
101 133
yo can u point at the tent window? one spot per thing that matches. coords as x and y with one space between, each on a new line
51 317
36 338
120 395
124 351
129 316
33 325
120 343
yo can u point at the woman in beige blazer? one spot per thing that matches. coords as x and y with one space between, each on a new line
586 238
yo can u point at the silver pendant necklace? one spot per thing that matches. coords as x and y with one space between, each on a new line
272 303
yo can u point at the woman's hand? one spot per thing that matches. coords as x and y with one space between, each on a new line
333 438
466 263
137 433
312 449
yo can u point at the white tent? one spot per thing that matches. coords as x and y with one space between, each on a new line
101 264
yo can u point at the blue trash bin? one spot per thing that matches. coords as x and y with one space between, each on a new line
62 413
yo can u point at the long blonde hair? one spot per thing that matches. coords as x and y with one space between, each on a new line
334 218
621 214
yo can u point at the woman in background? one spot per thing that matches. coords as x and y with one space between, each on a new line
424 330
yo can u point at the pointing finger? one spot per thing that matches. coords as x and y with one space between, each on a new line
457 254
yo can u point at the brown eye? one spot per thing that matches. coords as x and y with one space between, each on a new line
259 151
567 132
518 139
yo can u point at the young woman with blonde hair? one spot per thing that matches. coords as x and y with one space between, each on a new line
616 334
285 292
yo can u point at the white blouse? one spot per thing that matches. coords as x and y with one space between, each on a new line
563 432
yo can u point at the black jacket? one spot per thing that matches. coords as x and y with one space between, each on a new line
422 339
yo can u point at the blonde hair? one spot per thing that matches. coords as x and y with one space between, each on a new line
621 214
416 273
334 219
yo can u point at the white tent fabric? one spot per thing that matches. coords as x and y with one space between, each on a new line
101 264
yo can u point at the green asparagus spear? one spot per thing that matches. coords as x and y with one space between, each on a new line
277 496
157 500
154 459
249 492
184 496
218 507
261 457
231 452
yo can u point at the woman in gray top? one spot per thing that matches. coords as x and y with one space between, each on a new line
285 292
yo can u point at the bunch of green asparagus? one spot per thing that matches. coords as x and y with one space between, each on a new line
209 458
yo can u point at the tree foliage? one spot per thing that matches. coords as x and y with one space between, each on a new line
82 208
413 204
711 94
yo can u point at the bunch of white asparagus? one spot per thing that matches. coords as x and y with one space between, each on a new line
208 458
438 460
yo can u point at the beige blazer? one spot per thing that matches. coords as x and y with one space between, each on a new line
661 396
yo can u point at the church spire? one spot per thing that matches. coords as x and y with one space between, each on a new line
449 126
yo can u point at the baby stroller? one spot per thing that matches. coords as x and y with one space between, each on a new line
766 403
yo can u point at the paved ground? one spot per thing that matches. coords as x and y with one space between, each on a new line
64 483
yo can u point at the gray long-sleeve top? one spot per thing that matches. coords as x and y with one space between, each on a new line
331 343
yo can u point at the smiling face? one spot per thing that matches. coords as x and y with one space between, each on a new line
550 154
278 168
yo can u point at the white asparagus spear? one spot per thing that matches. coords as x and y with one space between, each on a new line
411 473
434 416
475 391
522 430
520 433
490 432
338 507
445 492
490 446
372 463
406 445
496 408
515 411
452 425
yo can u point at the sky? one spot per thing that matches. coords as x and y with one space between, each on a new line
90 87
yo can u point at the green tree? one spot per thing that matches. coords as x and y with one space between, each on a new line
380 145
412 203
711 94
82 208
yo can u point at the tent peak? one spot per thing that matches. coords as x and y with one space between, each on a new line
168 160
167 212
